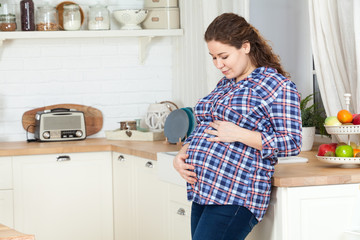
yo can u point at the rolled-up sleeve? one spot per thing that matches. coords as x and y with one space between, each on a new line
284 136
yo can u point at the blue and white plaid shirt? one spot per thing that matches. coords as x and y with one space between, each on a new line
234 173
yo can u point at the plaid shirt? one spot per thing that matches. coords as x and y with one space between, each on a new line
234 173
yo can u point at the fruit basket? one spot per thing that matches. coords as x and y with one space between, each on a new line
345 129
346 162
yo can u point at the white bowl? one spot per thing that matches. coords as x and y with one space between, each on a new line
130 19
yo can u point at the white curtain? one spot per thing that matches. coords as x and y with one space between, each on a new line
194 74
335 30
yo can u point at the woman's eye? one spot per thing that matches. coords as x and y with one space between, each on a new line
224 57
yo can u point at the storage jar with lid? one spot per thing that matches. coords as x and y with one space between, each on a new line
71 17
99 18
7 16
162 18
7 22
47 18
27 13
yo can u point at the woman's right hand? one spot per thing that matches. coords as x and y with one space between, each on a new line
185 170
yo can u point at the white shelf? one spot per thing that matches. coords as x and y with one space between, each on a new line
145 35
90 34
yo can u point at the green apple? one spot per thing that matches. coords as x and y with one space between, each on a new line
344 151
332 121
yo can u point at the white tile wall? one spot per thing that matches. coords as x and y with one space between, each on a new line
101 72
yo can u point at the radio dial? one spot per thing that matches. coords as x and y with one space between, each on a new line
46 135
79 133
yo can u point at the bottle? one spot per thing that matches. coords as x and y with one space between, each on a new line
47 18
71 17
99 18
27 13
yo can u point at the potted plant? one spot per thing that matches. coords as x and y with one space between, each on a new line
312 118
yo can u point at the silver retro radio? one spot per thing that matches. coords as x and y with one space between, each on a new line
60 124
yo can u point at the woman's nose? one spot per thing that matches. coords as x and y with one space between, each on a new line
218 63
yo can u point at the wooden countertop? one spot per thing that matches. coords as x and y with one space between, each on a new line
286 175
7 233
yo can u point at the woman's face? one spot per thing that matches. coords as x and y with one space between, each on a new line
232 62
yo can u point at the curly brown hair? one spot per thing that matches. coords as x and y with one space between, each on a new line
234 30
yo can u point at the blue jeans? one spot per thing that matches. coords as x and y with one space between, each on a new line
220 222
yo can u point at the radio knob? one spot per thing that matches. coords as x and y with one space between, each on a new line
78 133
46 135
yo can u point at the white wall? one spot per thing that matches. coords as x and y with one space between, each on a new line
285 23
102 72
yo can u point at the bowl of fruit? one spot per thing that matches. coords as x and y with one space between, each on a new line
346 154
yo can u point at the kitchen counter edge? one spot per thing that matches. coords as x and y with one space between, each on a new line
312 173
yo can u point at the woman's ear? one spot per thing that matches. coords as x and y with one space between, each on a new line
246 46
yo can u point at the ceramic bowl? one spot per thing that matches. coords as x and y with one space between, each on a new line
130 19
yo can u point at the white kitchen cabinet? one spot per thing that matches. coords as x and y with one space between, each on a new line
151 200
123 189
309 213
6 192
140 199
65 196
179 214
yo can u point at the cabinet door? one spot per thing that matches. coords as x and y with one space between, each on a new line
151 199
124 211
6 208
321 212
179 214
64 197
6 173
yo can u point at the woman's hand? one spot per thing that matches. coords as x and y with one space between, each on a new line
185 170
230 132
224 132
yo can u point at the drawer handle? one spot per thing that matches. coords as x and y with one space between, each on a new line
149 165
121 158
181 212
63 158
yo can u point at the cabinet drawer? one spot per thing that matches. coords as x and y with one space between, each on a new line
5 173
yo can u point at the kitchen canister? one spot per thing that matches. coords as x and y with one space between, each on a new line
47 18
162 18
160 3
27 13
99 18
7 16
71 17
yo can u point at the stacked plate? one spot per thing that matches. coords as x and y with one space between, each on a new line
179 124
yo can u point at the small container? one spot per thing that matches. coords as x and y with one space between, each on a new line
47 19
99 18
162 18
160 3
71 17
27 13
7 22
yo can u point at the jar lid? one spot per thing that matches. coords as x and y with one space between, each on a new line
71 6
7 17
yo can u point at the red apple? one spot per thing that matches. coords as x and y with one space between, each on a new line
327 149
356 120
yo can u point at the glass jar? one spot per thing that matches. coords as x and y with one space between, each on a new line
47 19
7 16
27 15
7 22
99 18
71 17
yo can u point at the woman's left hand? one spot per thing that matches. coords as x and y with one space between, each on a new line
224 131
